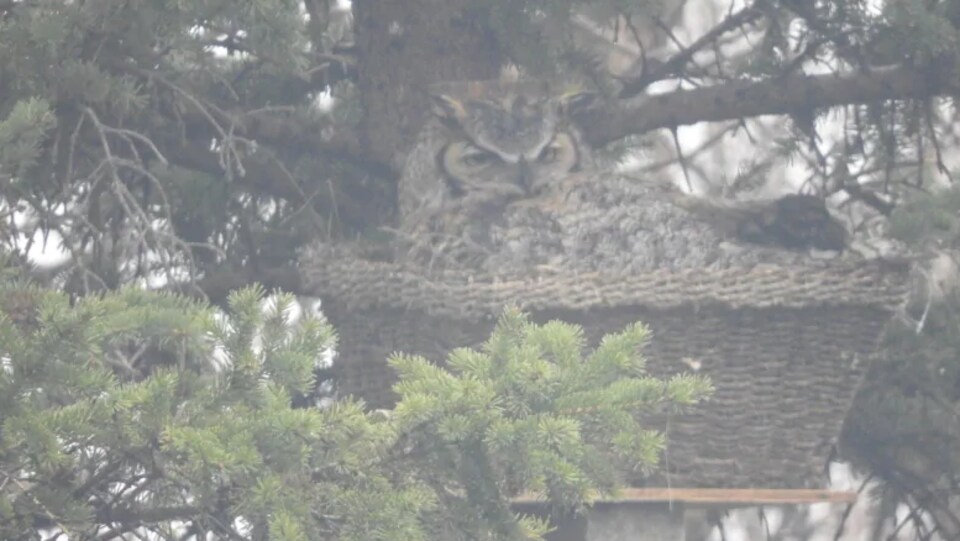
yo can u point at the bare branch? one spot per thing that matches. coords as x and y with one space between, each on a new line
146 516
781 95
677 62
268 177
281 131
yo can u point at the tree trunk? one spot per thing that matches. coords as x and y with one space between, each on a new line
404 46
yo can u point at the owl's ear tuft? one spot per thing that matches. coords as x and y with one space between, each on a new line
447 108
576 102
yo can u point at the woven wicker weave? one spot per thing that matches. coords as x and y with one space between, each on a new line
785 348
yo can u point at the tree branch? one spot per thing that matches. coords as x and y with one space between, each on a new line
636 85
780 95
265 127
351 203
291 134
146 516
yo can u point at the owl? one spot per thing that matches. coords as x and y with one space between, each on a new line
500 181
489 143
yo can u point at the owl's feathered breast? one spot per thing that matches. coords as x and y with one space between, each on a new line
607 222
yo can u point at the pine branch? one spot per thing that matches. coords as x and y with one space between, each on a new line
739 99
292 133
350 204
145 516
202 119
676 63
218 284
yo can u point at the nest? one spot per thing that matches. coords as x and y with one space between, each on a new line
785 346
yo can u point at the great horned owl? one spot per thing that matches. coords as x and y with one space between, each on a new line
500 181
488 143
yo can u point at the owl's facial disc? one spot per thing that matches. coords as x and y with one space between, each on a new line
470 167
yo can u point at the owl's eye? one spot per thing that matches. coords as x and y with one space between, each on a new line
549 154
477 159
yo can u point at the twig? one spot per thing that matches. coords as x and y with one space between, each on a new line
705 146
678 61
681 159
941 166
46 510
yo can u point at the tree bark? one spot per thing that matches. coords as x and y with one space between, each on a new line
746 98
404 46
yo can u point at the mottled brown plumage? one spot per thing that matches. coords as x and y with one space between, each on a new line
501 181
489 143
793 221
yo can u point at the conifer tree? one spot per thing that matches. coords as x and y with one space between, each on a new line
144 413
181 143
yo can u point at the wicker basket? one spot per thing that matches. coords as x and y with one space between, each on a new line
785 348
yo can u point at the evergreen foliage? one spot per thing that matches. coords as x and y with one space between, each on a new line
119 119
180 139
143 412
903 428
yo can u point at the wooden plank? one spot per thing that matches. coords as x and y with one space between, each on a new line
721 496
